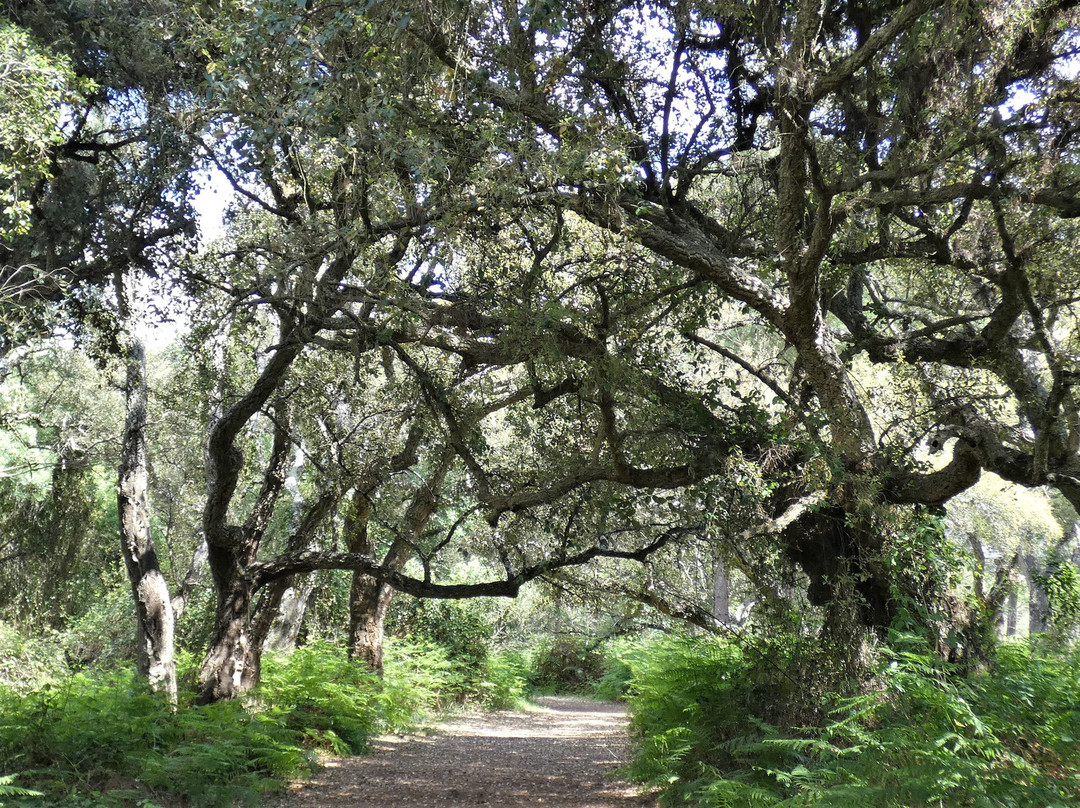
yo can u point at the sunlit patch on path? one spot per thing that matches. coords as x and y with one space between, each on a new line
560 756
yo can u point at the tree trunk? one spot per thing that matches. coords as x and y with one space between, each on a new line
722 594
1038 604
1012 610
231 666
194 576
366 619
155 621
294 606
222 675
292 602
369 602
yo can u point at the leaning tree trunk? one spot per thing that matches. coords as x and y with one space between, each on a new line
227 669
295 603
155 621
369 599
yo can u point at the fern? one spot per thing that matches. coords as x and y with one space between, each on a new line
924 735
9 789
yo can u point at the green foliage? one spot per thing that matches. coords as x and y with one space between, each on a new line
336 705
320 695
34 86
461 627
506 681
103 739
456 636
921 735
103 635
28 663
108 735
567 663
9 789
689 701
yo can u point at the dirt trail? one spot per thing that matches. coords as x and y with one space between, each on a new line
560 756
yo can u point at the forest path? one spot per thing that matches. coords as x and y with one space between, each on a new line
559 756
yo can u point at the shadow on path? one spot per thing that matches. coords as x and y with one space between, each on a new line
560 756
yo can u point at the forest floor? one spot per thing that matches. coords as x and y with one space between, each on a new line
560 755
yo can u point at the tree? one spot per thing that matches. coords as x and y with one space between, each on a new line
629 256
892 180
106 210
155 619
34 86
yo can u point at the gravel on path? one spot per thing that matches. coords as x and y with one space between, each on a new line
561 755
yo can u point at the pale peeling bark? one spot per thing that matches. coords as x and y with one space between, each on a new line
1038 603
155 620
294 606
722 594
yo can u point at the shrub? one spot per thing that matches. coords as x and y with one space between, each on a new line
923 735
103 739
567 664
29 663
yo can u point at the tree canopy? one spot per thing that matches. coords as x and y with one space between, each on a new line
556 283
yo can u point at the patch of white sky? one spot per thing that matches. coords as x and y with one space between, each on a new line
211 202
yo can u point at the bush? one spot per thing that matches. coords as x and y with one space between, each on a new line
567 664
103 739
923 735
29 663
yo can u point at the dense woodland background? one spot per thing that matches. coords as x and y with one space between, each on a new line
717 356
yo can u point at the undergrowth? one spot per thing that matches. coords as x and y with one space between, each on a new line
103 739
923 734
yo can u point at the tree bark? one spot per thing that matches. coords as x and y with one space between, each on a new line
155 619
1038 604
1012 610
196 570
369 602
369 598
722 594
230 667
222 674
295 603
